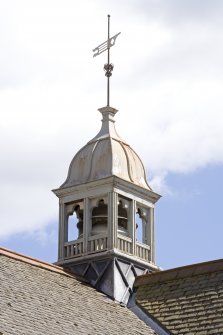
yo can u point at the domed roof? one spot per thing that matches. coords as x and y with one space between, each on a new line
106 155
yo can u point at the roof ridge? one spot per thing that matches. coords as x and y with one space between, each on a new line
180 272
39 263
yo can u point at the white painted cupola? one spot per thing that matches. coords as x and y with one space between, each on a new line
106 209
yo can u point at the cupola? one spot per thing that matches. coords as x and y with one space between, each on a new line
106 199
106 210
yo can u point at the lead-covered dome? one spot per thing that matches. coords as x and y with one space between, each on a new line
106 155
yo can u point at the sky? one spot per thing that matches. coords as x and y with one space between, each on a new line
167 85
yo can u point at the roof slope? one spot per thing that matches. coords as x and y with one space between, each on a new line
186 300
39 298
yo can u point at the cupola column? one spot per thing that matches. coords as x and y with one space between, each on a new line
61 231
132 226
150 234
112 219
86 226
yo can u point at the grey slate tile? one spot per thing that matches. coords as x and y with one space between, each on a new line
186 300
35 301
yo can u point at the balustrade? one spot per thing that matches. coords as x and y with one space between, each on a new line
97 243
125 244
143 251
73 248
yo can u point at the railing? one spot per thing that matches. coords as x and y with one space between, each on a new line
73 248
97 243
143 251
125 244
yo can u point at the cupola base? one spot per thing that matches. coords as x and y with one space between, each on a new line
111 273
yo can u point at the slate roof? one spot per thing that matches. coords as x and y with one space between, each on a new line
186 300
40 298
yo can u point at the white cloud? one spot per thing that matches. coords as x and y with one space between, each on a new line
158 183
167 83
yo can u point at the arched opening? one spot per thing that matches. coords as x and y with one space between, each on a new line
99 218
140 225
75 224
122 218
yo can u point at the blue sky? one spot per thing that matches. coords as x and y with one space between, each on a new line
189 222
167 84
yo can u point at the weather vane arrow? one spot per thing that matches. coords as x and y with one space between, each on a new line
107 67
105 46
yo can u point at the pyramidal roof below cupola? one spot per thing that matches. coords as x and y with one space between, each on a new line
106 155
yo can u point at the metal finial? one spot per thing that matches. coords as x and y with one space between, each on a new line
108 67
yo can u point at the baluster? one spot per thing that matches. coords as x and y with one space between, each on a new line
95 245
72 250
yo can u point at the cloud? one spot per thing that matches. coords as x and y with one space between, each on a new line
158 183
167 84
183 131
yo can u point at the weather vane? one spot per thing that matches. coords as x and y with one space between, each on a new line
109 66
